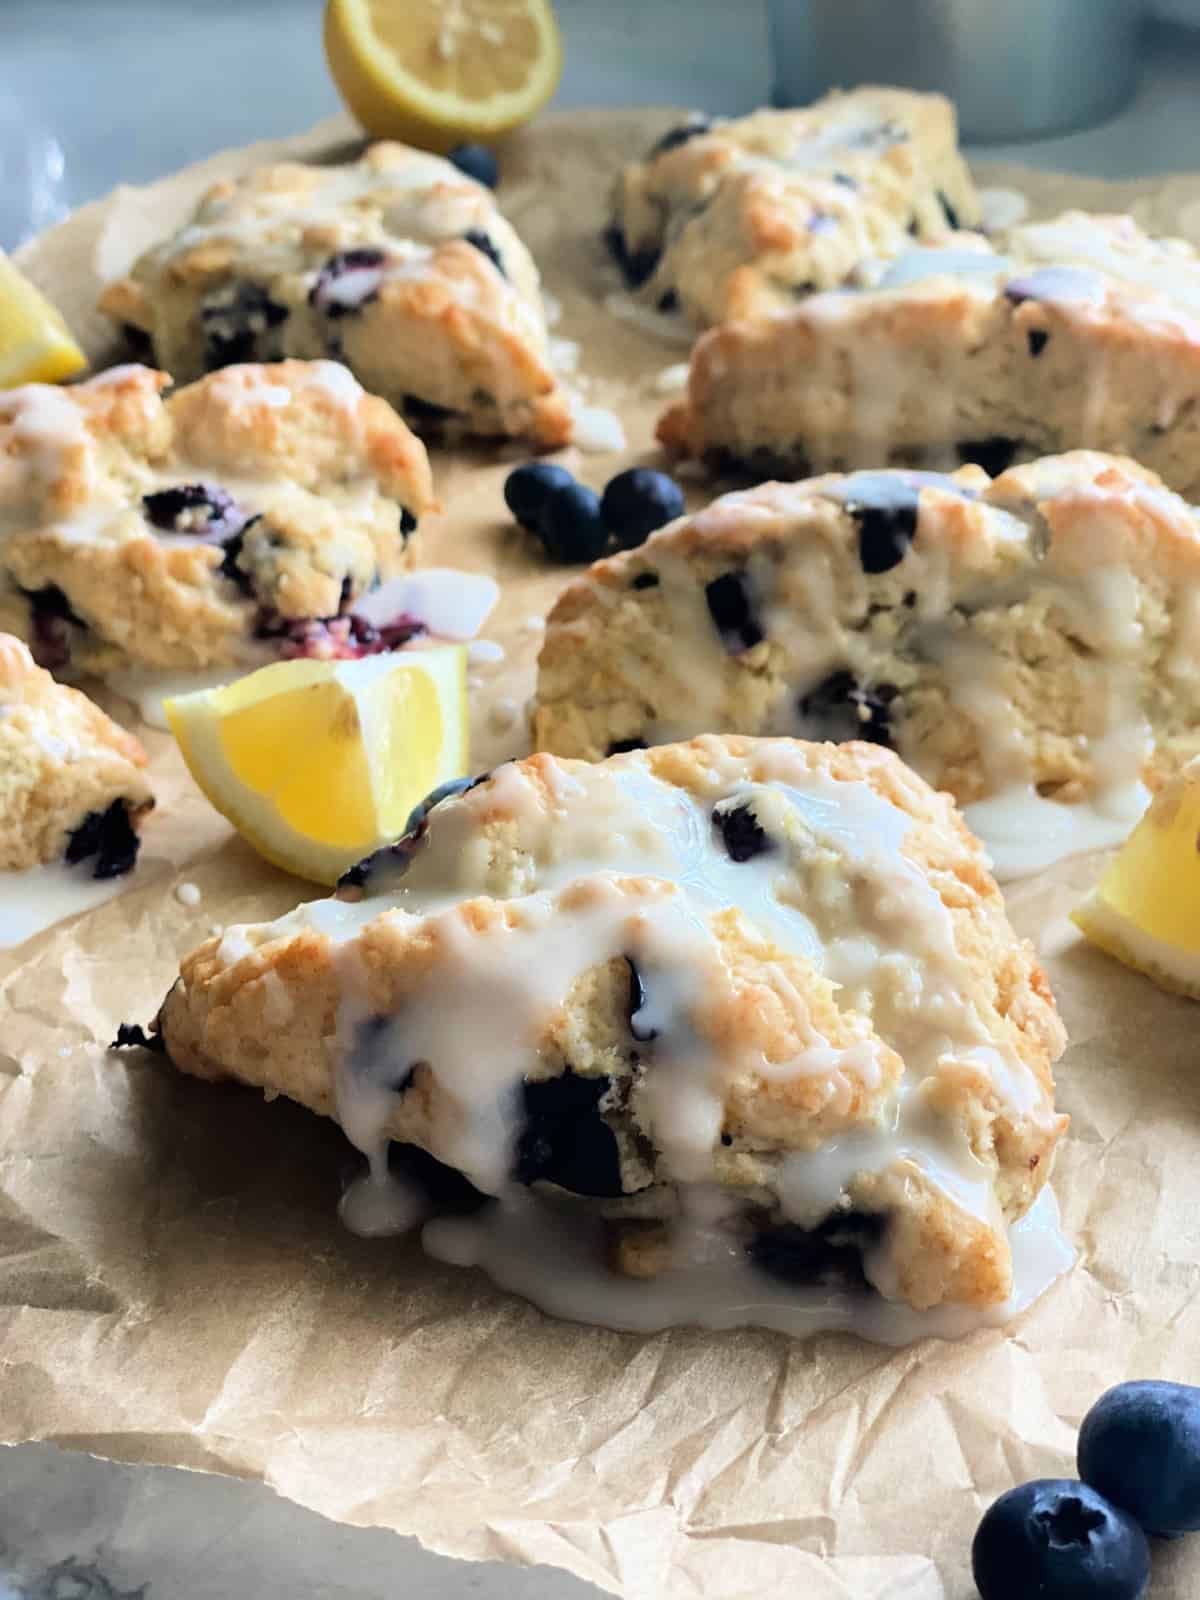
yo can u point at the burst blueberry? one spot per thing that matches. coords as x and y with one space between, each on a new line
1059 1538
637 502
730 608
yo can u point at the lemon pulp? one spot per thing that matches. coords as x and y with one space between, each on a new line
35 345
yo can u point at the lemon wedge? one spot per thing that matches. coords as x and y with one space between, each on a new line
317 763
437 72
35 345
1146 908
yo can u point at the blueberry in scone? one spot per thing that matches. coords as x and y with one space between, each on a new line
768 977
72 785
236 521
1027 642
743 218
399 264
1084 333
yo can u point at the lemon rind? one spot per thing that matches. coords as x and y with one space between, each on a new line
1171 968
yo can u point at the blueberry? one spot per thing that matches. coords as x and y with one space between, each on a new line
637 502
236 321
110 837
484 245
51 619
565 1140
733 616
948 211
1037 339
408 522
830 1252
1058 1538
380 871
195 508
132 1036
838 709
527 488
637 265
570 525
677 136
347 282
741 832
1139 1446
444 791
641 1031
645 580
885 506
621 747
478 162
995 454
425 411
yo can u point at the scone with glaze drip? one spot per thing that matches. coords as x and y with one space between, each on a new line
743 218
72 784
235 521
772 977
1029 643
1080 332
397 264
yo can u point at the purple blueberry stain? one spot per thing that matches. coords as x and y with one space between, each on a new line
198 509
51 619
741 832
110 837
236 321
347 282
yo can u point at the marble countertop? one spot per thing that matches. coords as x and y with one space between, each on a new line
119 107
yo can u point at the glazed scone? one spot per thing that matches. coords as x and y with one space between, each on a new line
779 969
233 522
72 785
1020 641
742 218
1085 333
396 264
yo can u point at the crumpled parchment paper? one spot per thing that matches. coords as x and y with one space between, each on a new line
175 1286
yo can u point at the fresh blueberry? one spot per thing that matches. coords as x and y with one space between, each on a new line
1139 1446
637 502
1059 1538
237 320
733 616
741 832
565 1140
484 245
195 508
680 135
347 282
570 525
478 162
995 454
830 1252
527 488
110 837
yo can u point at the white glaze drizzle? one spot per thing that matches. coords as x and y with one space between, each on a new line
34 900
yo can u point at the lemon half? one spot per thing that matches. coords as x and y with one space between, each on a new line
437 72
35 345
317 763
1146 908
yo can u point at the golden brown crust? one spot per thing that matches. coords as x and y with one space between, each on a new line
396 263
323 481
261 1004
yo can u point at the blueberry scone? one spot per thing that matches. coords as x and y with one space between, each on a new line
235 521
768 976
742 218
72 785
1021 641
1085 333
396 264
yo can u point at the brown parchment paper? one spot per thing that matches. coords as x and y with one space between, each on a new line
175 1287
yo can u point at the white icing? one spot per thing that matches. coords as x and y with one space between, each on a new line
44 423
34 900
147 688
555 1258
1001 209
564 355
872 923
188 894
915 266
484 650
672 379
451 604
669 326
597 430
1024 832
